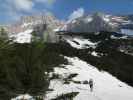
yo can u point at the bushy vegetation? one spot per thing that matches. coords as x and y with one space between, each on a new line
3 33
23 67
68 96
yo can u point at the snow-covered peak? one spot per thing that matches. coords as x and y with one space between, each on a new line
95 23
106 18
88 19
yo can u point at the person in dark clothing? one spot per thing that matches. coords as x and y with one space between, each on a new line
91 84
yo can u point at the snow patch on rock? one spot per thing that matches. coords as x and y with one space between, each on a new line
81 43
94 53
23 97
122 37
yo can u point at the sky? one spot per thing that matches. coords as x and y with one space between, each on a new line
12 10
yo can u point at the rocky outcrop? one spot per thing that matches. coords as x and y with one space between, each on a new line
43 26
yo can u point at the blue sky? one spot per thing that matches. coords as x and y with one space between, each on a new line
11 10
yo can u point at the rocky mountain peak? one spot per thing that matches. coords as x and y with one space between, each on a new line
92 23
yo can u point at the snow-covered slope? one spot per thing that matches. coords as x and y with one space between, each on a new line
106 87
22 37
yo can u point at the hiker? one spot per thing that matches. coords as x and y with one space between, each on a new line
91 84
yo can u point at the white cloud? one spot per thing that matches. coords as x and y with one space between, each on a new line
20 5
24 5
77 13
13 9
28 5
